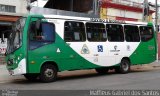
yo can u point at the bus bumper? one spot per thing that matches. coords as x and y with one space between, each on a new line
21 69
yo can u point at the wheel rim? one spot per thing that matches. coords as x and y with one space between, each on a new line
49 73
125 66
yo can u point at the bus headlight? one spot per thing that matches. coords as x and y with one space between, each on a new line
10 62
18 57
16 61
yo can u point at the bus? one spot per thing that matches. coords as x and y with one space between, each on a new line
41 46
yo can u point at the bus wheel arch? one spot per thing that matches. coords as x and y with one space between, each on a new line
48 72
124 66
51 63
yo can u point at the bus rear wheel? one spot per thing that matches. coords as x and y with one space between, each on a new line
31 77
48 73
124 67
102 70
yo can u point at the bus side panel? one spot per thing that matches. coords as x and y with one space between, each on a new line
145 53
66 58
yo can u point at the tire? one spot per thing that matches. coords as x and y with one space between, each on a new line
124 67
31 77
48 73
102 70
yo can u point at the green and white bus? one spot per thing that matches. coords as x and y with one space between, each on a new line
41 46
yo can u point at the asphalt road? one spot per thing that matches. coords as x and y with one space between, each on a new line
139 78
86 83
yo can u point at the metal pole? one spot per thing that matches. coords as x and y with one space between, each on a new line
95 7
156 24
156 16
71 5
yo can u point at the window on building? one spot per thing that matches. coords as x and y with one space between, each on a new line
7 8
115 32
131 33
71 5
74 31
96 32
146 33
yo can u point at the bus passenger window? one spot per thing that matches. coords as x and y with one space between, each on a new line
131 33
42 36
74 31
115 33
146 33
96 32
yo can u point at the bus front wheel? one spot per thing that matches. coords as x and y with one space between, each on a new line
124 67
48 73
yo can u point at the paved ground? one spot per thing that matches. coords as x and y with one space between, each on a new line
154 65
70 83
141 77
5 77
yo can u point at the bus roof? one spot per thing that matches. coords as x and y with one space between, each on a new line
90 19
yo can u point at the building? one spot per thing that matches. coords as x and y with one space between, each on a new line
83 8
10 10
130 10
67 5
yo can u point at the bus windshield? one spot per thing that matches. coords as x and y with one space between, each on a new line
15 38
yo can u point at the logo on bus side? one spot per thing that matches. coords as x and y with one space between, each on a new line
151 47
100 48
115 49
58 50
85 49
128 48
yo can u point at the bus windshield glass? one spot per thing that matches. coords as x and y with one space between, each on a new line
15 38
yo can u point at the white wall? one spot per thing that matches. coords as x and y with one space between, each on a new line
20 5
123 13
138 1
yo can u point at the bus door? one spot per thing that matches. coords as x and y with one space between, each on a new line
148 44
40 39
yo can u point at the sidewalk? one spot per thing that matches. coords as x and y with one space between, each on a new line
5 77
151 66
4 73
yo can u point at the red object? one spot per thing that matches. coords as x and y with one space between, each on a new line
110 4
126 19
